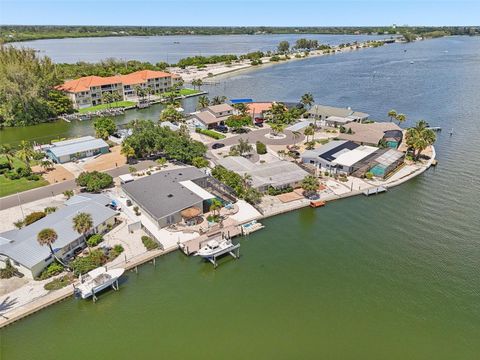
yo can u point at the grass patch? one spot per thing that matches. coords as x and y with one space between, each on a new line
182 92
210 133
116 104
9 187
59 283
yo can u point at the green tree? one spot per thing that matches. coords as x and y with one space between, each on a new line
392 114
244 147
309 131
47 237
25 152
9 154
104 127
401 118
203 102
218 100
82 224
46 164
242 108
310 185
215 206
171 114
296 135
283 47
419 138
94 181
127 150
200 162
277 128
307 100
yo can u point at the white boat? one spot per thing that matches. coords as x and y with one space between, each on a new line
215 247
97 280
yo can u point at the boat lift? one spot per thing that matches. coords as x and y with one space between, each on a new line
95 290
233 251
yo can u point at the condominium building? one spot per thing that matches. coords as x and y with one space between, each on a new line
90 90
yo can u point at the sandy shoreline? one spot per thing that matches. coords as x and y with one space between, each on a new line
221 70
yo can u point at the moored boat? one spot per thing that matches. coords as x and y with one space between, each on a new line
215 247
97 280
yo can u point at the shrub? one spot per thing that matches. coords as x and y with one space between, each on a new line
369 175
94 181
261 148
19 224
33 177
275 58
23 171
213 134
94 240
7 272
273 191
51 270
50 209
34 216
117 250
149 243
59 283
84 264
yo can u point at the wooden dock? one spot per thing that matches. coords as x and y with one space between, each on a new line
375 191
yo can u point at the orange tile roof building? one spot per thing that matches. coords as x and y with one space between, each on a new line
90 90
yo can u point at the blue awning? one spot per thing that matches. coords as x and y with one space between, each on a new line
238 101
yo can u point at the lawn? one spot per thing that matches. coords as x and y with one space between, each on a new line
183 92
9 187
107 106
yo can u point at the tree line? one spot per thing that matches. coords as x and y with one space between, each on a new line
10 33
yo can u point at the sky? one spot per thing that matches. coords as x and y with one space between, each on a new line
240 12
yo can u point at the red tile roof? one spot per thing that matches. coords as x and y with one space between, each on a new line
85 83
258 108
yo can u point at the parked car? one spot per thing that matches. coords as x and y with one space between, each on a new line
129 202
221 128
218 146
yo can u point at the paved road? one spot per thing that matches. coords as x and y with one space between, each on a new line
259 135
58 188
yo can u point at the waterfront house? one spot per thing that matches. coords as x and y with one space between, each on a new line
172 196
90 90
74 149
211 116
257 111
348 162
21 248
372 134
323 156
279 174
341 116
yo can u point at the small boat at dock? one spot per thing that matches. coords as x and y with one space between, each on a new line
215 248
317 203
97 280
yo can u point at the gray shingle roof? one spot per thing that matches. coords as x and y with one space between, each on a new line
22 246
335 111
161 194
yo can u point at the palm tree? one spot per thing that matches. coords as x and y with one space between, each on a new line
296 135
127 151
401 118
310 185
244 147
246 179
46 164
392 114
277 128
307 100
308 132
217 100
9 153
48 237
203 102
419 138
107 98
242 108
25 152
83 223
215 206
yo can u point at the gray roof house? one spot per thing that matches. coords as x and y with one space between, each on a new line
341 115
278 174
30 258
164 195
68 150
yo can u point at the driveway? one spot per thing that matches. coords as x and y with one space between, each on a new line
55 189
259 135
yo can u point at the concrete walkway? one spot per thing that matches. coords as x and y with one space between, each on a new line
259 135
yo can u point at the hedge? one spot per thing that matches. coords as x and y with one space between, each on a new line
261 148
149 243
211 133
